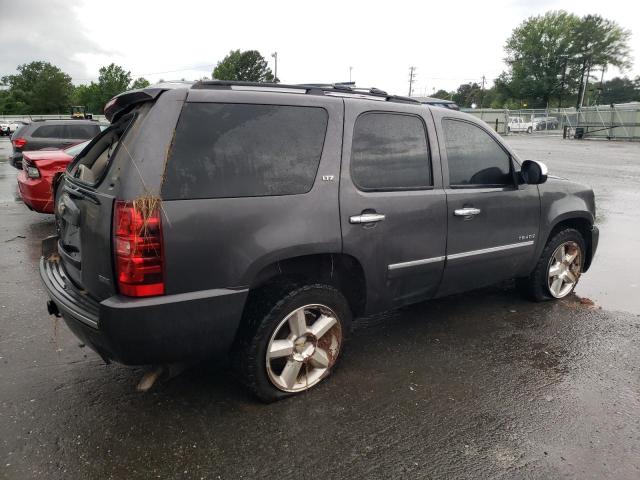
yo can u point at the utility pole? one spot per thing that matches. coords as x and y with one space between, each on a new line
482 94
412 77
586 83
275 69
564 75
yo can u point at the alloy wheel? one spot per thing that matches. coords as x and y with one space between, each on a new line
565 267
303 348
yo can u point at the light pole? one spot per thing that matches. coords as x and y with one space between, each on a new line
275 69
350 68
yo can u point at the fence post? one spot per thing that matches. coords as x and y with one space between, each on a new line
496 125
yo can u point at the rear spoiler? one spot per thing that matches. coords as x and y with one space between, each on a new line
120 104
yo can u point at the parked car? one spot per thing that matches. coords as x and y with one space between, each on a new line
51 133
438 102
256 221
519 124
546 123
40 172
8 127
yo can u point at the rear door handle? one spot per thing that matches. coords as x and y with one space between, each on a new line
367 218
466 212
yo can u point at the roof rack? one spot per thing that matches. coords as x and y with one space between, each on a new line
338 89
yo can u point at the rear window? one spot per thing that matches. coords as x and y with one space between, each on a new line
244 150
49 131
83 132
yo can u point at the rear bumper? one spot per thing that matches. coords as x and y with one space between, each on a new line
154 330
36 192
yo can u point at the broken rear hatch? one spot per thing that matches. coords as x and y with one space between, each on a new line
84 207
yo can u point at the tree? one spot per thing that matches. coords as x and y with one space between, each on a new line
537 56
112 80
553 55
38 87
468 94
140 83
247 66
619 90
443 94
597 43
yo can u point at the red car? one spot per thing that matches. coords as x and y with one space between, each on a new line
40 168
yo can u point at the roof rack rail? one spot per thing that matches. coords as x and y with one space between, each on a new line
309 88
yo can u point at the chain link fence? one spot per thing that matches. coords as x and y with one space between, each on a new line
31 118
619 122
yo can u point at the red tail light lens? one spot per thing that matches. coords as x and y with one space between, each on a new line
19 142
138 250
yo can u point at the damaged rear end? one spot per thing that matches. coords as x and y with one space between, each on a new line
105 264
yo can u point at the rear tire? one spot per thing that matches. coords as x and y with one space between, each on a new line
540 286
292 339
529 130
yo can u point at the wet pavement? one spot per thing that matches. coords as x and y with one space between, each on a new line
481 385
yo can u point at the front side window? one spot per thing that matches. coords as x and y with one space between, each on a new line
474 157
244 150
389 152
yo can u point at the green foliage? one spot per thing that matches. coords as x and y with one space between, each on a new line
619 90
140 83
443 94
552 55
247 66
112 80
468 94
536 54
38 87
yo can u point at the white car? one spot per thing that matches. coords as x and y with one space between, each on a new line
10 126
518 124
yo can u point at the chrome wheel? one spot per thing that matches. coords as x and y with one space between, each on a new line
303 348
564 269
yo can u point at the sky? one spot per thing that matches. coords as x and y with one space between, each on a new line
449 42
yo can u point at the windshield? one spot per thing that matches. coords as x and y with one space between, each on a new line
76 149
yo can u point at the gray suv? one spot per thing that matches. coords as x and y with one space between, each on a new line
254 221
55 134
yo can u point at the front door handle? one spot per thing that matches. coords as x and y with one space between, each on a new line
367 218
466 212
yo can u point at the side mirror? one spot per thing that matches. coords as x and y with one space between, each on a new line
533 172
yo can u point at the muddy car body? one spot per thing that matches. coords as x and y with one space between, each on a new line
257 220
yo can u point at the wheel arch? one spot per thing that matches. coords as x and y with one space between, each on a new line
342 271
580 221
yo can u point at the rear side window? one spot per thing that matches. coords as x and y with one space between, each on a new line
389 152
82 131
474 157
49 131
244 150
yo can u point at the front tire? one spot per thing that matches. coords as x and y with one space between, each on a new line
559 268
292 340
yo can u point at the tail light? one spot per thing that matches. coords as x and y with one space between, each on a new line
19 142
138 250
